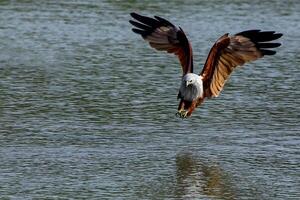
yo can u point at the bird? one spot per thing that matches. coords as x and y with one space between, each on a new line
226 54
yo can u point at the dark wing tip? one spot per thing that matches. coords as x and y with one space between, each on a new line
164 21
144 25
268 45
143 33
132 22
257 35
248 32
140 26
148 21
267 52
138 31
263 40
134 15
277 35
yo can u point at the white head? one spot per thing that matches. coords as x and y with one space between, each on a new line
191 87
190 79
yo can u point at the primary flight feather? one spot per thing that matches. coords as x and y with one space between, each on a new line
228 52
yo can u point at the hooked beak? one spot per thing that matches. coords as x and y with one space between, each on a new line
187 83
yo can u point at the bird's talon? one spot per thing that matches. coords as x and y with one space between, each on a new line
182 113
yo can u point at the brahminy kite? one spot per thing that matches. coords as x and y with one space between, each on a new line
228 52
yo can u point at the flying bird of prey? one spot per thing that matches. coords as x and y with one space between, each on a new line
228 52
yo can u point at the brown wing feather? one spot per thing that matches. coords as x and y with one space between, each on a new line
164 36
232 51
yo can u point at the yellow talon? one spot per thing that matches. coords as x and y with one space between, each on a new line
182 113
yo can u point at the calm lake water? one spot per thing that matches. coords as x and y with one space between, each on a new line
87 109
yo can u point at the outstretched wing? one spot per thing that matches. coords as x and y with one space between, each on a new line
232 51
164 36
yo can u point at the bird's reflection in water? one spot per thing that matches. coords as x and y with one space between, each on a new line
199 180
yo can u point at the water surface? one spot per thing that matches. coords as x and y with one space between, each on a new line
87 109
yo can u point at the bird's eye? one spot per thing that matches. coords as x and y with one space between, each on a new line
191 81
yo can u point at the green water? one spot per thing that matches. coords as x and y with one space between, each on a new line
87 109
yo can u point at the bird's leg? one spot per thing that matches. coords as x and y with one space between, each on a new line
194 105
181 106
181 111
191 108
185 109
199 102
